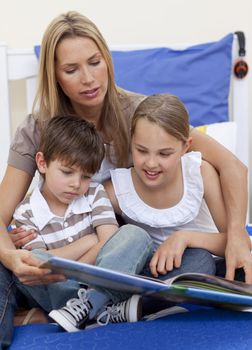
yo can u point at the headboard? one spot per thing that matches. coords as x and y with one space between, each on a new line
16 64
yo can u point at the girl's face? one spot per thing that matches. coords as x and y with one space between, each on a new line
82 73
62 183
156 154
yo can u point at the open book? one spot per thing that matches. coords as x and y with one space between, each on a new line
185 288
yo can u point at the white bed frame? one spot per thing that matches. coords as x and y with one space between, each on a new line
23 64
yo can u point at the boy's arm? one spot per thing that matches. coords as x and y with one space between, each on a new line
233 178
72 251
104 232
76 249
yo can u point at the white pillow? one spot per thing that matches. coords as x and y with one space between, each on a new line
225 133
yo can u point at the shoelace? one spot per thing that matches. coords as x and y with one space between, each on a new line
78 307
114 313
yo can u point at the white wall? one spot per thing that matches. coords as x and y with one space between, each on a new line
22 23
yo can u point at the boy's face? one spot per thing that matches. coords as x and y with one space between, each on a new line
62 183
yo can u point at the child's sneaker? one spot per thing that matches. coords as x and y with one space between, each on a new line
74 316
127 311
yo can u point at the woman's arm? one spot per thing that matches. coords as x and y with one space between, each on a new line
12 190
233 178
213 196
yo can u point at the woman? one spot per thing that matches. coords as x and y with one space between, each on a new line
76 75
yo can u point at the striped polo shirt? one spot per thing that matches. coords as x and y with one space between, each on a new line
81 218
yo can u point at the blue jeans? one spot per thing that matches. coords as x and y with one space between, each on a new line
7 306
126 251
193 260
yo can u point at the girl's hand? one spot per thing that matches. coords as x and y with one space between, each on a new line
169 254
20 236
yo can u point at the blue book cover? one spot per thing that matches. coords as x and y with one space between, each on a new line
189 287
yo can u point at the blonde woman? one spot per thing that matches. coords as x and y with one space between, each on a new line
76 76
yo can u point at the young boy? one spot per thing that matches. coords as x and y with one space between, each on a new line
74 219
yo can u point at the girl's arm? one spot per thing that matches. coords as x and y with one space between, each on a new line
169 254
233 178
111 193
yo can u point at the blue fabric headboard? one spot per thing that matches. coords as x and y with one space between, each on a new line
199 75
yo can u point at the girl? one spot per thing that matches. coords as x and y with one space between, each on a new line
76 76
168 191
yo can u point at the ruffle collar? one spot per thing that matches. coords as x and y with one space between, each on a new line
183 212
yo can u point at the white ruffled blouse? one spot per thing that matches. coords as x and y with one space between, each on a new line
190 213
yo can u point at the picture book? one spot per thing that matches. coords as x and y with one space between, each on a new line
185 288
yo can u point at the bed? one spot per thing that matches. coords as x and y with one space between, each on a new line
205 69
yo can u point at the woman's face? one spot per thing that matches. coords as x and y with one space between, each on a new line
82 73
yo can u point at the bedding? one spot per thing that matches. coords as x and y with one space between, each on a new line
199 329
183 73
225 133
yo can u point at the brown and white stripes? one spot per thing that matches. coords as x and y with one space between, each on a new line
81 218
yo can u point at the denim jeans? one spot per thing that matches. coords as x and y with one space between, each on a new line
221 270
126 251
7 306
193 260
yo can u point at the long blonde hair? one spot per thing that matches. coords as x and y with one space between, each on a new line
51 101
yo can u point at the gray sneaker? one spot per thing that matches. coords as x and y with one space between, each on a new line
74 316
126 311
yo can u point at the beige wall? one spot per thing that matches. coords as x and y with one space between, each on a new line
22 23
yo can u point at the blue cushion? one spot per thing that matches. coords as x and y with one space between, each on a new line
201 329
249 229
199 75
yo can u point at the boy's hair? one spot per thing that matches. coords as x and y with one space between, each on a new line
167 111
73 141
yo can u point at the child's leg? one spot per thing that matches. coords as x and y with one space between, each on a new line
126 251
51 296
193 260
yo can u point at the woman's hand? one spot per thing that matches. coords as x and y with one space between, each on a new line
169 254
238 255
20 236
27 268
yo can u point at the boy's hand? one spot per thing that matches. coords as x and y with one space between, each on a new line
20 236
169 254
